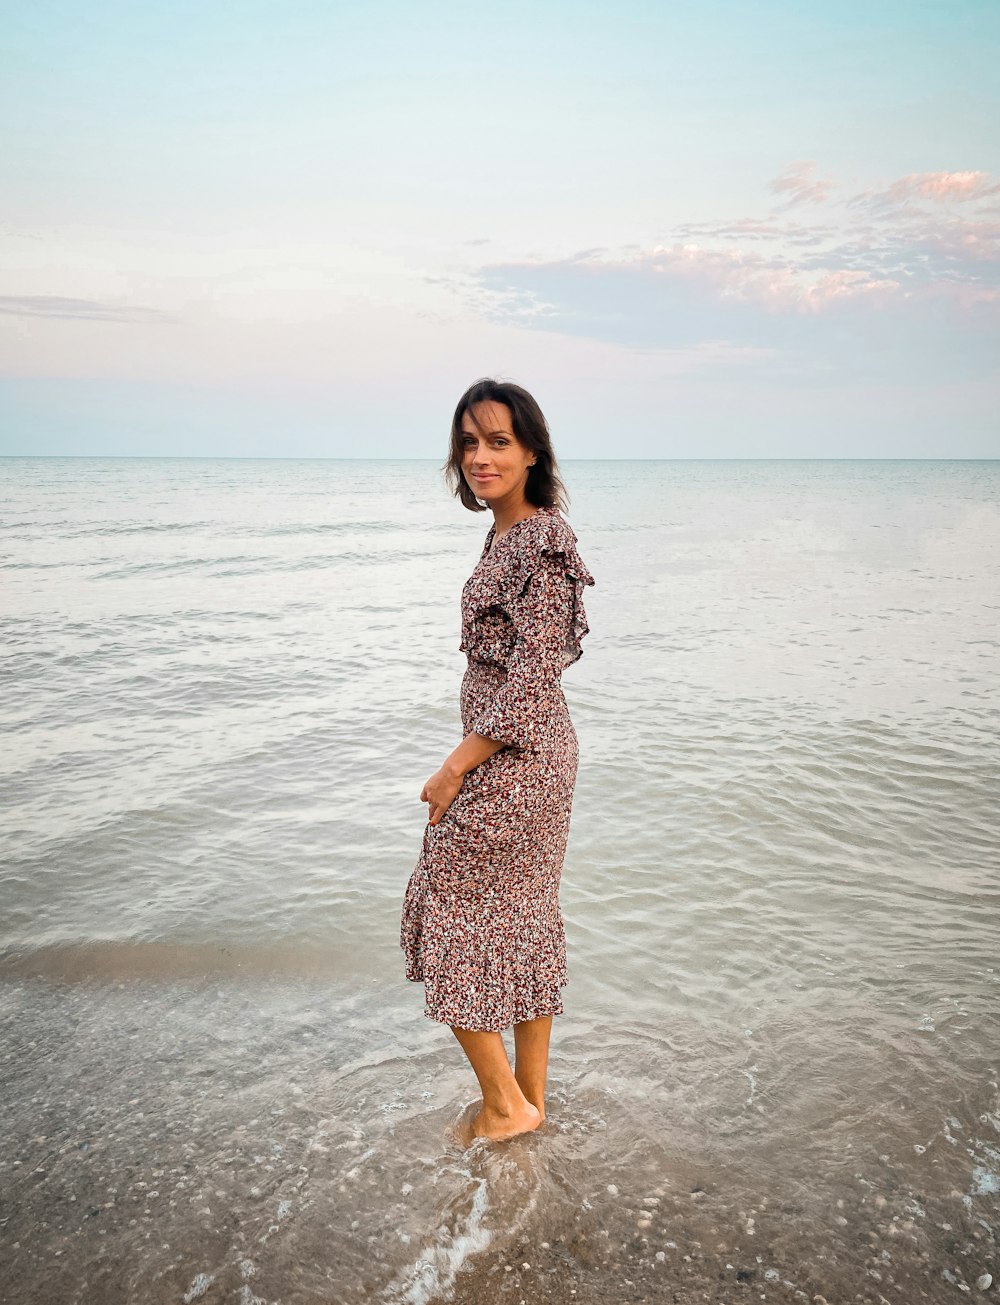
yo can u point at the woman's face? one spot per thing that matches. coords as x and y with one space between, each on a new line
494 462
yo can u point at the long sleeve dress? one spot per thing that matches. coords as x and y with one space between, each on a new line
481 924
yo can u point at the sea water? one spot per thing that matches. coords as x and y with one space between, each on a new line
225 682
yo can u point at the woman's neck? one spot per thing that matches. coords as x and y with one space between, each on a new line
505 516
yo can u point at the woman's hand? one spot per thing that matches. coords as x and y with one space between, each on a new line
439 792
443 785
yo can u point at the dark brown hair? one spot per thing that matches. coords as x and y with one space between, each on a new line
544 487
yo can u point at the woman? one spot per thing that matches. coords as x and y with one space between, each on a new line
481 924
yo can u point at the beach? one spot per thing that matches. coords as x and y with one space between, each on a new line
777 1074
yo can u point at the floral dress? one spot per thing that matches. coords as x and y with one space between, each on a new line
481 925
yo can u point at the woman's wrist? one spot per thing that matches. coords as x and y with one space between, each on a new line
454 768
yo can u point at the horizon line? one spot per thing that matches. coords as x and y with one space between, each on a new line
228 457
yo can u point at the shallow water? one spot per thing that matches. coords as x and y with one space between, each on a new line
777 1074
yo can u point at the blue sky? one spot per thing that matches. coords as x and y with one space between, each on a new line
692 230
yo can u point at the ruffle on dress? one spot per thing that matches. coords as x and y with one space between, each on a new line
540 546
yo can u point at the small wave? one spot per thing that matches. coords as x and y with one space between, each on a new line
140 528
319 528
432 1276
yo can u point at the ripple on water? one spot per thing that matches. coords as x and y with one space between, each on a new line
777 1066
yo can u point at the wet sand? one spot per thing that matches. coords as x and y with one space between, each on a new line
224 1142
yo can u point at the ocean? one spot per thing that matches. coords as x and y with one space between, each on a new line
778 1073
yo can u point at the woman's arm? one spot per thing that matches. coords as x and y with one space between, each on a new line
443 785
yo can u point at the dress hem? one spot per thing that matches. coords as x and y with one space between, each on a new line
457 1023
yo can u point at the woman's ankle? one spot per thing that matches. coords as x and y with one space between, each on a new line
507 1107
533 1093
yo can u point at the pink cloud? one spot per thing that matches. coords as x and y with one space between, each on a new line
959 241
839 287
798 182
749 278
960 186
904 195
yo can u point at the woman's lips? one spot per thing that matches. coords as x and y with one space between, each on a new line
488 476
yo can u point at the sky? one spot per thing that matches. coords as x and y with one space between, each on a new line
724 228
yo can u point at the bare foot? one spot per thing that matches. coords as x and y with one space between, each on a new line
461 1131
488 1123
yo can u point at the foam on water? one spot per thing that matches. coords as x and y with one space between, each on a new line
432 1275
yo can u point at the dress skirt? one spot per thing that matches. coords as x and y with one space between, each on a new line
481 924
